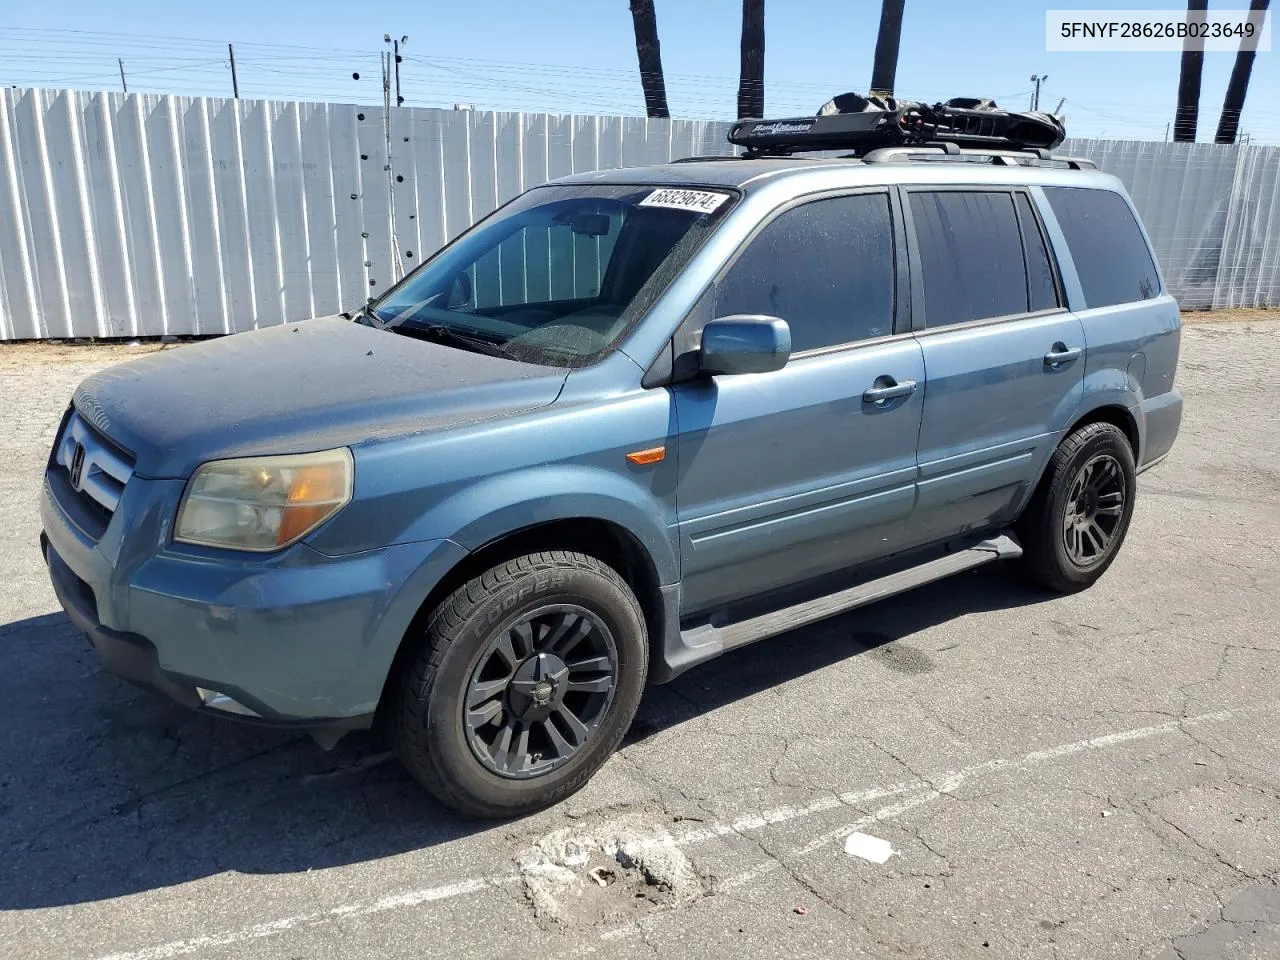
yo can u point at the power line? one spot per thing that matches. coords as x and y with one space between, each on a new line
187 66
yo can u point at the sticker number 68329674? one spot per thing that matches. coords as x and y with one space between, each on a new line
695 201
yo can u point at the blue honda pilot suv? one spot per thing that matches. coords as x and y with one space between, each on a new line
631 420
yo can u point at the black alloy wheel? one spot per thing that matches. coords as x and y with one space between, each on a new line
1076 521
519 684
540 690
1095 507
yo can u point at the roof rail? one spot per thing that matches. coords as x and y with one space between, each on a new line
1035 156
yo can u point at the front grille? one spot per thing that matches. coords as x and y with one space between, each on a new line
88 474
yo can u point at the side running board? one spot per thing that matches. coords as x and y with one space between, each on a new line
706 641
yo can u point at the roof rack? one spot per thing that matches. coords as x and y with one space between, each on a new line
1031 157
867 125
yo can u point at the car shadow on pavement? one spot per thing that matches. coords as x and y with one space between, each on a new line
874 630
107 790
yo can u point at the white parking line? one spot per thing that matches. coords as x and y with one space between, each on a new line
918 792
413 898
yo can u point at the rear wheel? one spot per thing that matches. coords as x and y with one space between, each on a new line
1075 524
523 684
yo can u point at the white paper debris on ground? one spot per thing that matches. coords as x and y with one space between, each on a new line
868 847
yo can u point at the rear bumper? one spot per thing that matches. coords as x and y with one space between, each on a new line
298 638
1161 417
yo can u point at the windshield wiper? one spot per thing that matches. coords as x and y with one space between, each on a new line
443 334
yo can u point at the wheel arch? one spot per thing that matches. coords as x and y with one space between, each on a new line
607 540
1116 415
1112 413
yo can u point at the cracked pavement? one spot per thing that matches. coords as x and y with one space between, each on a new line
1090 776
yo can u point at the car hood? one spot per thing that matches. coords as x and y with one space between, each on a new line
296 388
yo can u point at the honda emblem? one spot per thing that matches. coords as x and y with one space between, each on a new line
77 466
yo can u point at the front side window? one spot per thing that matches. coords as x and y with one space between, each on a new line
1111 256
556 277
970 255
825 267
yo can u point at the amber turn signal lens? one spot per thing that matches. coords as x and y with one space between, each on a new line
652 455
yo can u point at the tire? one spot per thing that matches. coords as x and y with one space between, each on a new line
518 618
1063 525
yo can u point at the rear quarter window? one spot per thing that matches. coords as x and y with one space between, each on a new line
1111 255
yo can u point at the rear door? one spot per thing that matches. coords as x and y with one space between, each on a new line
1004 359
787 475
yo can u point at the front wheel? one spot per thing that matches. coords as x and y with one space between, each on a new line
1076 522
523 684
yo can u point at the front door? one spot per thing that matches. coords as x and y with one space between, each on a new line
788 475
1003 357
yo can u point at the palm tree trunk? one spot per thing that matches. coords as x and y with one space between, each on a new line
884 69
1238 87
751 77
1187 117
649 53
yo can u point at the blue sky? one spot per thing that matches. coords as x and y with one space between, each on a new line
579 55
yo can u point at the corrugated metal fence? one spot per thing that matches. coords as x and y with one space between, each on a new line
140 215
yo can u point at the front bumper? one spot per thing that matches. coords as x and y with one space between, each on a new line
127 655
298 638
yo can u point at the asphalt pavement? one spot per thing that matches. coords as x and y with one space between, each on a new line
975 769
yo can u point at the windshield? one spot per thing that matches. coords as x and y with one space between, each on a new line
556 277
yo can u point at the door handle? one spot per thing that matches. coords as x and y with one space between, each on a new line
1060 353
891 391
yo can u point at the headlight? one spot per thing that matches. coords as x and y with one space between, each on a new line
264 503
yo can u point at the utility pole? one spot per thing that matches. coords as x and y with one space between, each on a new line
385 59
120 61
1166 131
235 83
393 61
399 99
1035 97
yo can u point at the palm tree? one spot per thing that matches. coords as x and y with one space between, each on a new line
884 68
1233 104
751 77
649 53
1187 117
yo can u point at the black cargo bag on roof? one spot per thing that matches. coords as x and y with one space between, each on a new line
861 124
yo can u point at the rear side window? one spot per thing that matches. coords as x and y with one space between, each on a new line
1110 253
1040 286
970 255
825 267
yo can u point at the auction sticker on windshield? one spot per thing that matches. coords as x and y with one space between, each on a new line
698 201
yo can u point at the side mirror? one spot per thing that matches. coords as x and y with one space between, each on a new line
744 344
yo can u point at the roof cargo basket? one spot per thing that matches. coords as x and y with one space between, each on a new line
863 124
